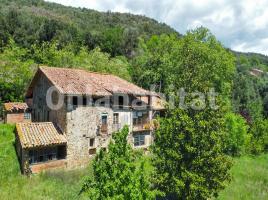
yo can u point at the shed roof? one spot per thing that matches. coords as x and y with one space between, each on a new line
81 82
39 134
15 106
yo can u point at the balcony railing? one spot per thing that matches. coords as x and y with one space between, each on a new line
142 126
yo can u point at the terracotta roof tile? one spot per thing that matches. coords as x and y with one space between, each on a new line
82 82
15 106
39 134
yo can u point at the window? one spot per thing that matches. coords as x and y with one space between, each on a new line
104 124
139 139
121 100
91 142
116 118
84 101
27 115
104 120
75 101
43 155
92 151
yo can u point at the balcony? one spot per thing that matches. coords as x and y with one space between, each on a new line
142 126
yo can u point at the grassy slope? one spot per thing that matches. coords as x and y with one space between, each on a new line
250 177
53 185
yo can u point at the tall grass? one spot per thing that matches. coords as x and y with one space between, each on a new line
250 179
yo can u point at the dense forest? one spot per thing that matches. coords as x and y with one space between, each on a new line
141 50
34 22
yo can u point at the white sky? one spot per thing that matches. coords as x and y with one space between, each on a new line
241 25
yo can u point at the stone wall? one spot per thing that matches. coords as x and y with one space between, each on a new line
13 118
36 168
19 150
83 124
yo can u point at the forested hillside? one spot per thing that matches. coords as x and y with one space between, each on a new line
31 22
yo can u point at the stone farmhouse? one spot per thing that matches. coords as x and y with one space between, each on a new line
75 113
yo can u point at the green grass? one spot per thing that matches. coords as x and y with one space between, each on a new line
51 185
250 177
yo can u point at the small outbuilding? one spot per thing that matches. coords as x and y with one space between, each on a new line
40 146
15 112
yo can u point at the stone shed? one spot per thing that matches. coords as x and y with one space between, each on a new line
15 112
40 146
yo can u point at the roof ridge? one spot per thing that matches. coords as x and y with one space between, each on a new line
76 68
14 102
33 123
101 84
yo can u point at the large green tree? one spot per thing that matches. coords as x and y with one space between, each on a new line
15 73
188 155
193 62
189 151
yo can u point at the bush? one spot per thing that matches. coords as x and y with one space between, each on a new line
237 137
259 136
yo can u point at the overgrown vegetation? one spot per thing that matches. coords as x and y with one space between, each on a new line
249 179
237 137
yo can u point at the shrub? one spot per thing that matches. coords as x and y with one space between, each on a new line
259 136
237 137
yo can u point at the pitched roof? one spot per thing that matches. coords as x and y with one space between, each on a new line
39 134
15 106
81 82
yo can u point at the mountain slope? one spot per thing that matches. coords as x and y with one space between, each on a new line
36 21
